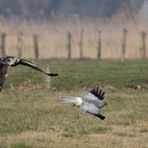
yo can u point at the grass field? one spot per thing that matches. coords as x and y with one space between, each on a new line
31 116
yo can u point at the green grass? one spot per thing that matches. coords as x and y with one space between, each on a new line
78 74
75 74
31 116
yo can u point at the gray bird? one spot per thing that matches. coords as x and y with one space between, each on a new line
10 61
91 102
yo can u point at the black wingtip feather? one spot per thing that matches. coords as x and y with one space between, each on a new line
102 96
101 117
98 93
52 74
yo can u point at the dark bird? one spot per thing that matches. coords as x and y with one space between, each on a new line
91 102
10 61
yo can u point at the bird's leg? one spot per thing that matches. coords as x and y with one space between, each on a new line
73 105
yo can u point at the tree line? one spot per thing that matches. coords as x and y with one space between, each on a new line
50 8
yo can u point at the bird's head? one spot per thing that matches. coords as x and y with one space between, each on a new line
9 60
13 61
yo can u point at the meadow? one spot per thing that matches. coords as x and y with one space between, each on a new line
32 116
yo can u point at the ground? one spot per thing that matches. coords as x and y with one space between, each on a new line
31 115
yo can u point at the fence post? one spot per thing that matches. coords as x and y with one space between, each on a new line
69 41
99 45
124 44
143 48
36 46
19 44
81 44
47 79
3 44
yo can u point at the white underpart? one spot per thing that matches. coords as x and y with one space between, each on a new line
79 101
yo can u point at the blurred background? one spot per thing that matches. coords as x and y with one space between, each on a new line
93 29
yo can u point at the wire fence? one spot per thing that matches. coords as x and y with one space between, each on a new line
122 44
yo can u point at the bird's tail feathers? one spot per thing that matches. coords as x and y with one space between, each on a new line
70 99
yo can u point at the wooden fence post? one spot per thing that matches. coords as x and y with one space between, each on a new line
99 45
81 44
124 44
69 41
3 44
143 48
36 46
19 44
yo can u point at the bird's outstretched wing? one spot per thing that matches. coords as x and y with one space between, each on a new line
92 109
98 93
13 61
32 65
3 74
92 99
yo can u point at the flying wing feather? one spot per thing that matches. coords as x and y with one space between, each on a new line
98 93
91 98
32 65
92 109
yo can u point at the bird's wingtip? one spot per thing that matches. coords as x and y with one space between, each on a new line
97 92
101 117
52 74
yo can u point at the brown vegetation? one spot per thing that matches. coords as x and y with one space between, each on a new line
53 38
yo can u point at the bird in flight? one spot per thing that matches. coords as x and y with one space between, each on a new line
10 61
91 102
